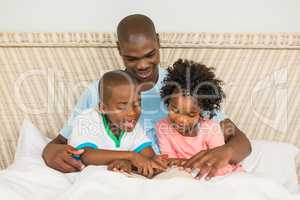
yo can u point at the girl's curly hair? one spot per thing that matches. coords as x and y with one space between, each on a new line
193 79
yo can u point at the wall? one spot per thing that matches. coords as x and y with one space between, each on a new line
168 15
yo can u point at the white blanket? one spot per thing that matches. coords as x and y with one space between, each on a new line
97 182
34 181
29 178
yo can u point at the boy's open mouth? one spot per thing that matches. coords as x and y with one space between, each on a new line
130 123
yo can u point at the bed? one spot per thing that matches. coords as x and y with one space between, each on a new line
42 75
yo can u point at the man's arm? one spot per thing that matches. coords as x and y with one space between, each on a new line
236 148
57 153
236 140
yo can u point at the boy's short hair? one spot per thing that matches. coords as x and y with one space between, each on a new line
111 79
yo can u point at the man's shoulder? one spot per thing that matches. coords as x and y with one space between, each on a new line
162 72
88 114
94 84
217 115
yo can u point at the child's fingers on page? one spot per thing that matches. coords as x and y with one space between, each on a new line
110 166
179 162
163 163
157 165
145 171
140 170
150 171
182 163
127 169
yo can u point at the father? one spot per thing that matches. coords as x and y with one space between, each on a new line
138 45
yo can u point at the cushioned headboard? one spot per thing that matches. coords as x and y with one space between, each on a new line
42 75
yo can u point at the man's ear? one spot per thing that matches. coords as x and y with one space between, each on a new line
119 48
158 40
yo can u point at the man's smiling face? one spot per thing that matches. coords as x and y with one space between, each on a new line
141 57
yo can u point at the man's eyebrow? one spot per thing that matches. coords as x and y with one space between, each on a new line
147 54
150 52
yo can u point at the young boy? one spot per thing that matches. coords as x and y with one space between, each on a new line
110 134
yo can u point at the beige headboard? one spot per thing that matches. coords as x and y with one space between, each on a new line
42 75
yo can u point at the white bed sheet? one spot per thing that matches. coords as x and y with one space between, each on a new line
29 178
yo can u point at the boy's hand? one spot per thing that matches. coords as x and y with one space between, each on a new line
146 166
120 166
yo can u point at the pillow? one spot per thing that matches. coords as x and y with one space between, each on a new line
275 160
29 177
31 141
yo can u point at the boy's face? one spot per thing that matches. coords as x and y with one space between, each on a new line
141 58
184 113
124 107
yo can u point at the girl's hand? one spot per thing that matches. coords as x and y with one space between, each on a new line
162 160
120 166
146 166
178 162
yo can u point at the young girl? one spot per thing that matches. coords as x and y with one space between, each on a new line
188 90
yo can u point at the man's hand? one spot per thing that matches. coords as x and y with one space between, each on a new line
120 166
59 157
209 161
146 166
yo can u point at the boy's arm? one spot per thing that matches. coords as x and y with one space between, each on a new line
148 152
104 157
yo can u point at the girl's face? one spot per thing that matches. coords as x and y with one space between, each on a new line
184 114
